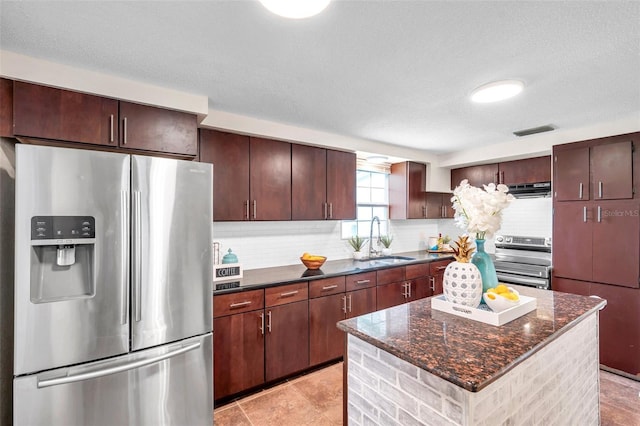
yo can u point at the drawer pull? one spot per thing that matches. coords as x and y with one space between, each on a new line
363 281
240 304
289 293
440 268
328 287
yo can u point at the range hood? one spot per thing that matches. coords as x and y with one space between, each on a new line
531 190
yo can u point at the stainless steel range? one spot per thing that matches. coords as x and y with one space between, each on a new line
523 260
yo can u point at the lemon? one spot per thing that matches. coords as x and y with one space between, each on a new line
501 288
510 296
306 255
491 295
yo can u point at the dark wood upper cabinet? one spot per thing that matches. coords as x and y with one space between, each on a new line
528 170
63 115
270 179
6 107
341 184
308 183
229 154
571 174
407 191
439 205
157 129
612 171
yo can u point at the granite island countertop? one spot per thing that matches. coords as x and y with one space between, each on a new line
265 277
468 353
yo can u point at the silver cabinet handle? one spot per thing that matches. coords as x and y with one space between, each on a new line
363 281
599 214
328 287
255 208
584 214
124 269
113 370
409 289
326 210
269 321
502 176
240 304
247 215
110 127
440 268
262 323
137 262
330 210
289 293
124 131
497 177
349 296
600 189
405 294
432 280
580 191
344 304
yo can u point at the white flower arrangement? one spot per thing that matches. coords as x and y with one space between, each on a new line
479 211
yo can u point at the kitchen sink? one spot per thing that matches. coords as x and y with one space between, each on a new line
386 260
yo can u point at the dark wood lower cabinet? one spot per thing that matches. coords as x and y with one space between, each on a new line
360 302
287 340
238 355
436 275
326 340
389 295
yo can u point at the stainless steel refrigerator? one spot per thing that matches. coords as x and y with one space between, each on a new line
112 297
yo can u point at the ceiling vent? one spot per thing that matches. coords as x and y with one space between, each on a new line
534 130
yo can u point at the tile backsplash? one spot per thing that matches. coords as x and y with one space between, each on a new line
265 244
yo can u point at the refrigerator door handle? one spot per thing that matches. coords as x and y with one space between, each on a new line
137 255
124 198
118 369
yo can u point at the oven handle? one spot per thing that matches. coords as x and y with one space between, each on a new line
522 280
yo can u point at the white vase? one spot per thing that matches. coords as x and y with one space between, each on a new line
357 255
386 251
462 284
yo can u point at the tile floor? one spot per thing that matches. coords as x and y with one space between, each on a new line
316 399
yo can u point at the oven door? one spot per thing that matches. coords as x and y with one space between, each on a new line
536 282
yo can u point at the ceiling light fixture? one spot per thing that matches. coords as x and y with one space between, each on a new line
497 91
377 159
295 9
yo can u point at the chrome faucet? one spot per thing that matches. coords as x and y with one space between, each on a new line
372 251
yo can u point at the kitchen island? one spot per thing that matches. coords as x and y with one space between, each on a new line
413 365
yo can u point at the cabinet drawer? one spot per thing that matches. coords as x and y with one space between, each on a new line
386 276
235 303
326 286
417 271
438 267
358 281
283 294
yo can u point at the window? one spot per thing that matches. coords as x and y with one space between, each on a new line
372 198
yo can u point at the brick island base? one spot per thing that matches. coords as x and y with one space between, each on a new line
558 384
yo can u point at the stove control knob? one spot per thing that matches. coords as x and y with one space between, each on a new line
499 239
507 239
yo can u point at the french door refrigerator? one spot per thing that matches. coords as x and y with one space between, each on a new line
112 297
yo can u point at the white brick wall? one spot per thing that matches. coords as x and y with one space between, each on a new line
558 385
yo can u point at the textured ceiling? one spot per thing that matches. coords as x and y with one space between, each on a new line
398 72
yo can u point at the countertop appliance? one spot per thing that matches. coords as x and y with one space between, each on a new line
523 260
113 276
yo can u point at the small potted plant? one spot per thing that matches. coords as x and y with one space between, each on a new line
357 242
386 241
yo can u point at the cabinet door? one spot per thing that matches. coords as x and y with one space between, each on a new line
436 275
439 205
229 154
64 115
326 341
287 342
6 107
570 286
476 175
611 167
573 240
406 191
308 183
270 179
571 174
529 170
158 129
419 288
341 184
393 294
238 358
360 302
619 327
616 243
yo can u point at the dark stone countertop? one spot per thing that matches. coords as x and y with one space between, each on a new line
469 353
265 277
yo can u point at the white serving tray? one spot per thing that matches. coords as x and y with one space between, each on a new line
483 313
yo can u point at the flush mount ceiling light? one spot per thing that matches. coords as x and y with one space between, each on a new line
377 159
295 9
497 91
